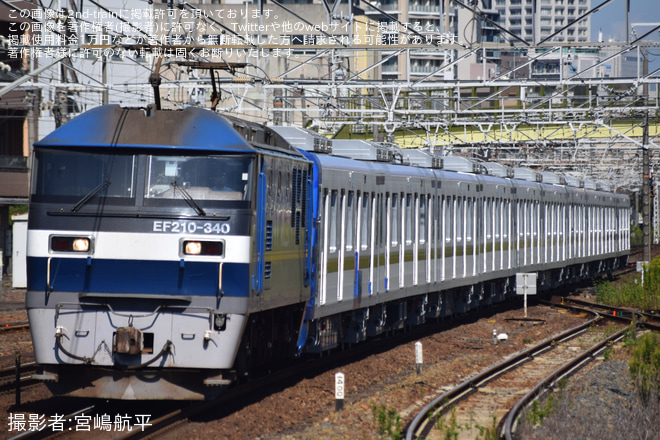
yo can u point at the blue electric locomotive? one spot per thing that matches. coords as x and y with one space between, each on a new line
146 245
171 252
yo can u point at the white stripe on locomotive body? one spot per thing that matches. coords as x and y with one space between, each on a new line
139 246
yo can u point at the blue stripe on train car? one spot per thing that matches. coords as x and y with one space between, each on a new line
136 276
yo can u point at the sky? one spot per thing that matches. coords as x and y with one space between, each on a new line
611 19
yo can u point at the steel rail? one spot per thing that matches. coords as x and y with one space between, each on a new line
647 320
420 422
553 377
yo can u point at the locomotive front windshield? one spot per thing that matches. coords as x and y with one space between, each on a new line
73 176
84 178
201 178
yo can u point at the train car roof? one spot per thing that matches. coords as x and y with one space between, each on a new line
346 163
192 129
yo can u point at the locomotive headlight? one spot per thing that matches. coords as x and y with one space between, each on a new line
192 248
80 245
70 244
210 248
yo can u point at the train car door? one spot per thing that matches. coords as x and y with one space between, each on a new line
365 251
329 287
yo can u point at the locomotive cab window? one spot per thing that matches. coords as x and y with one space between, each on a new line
200 178
83 178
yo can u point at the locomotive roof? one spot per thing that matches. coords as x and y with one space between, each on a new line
111 125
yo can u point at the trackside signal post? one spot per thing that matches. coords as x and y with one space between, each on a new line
526 285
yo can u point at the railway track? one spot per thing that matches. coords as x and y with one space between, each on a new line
10 375
168 420
646 319
161 421
490 394
258 387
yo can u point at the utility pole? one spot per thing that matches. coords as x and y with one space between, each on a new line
646 184
646 192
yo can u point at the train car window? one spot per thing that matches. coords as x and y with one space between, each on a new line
62 176
469 220
583 222
610 229
350 219
334 209
201 178
625 228
378 212
469 230
358 222
575 229
602 229
620 232
606 229
528 220
557 226
365 232
508 232
489 219
545 230
590 230
578 224
459 220
479 230
568 231
422 219
505 223
449 220
430 240
570 228
373 239
394 230
612 222
596 229
564 228
498 218
618 236
409 219
444 238
560 231
578 231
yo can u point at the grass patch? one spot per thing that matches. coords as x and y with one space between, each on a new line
632 293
